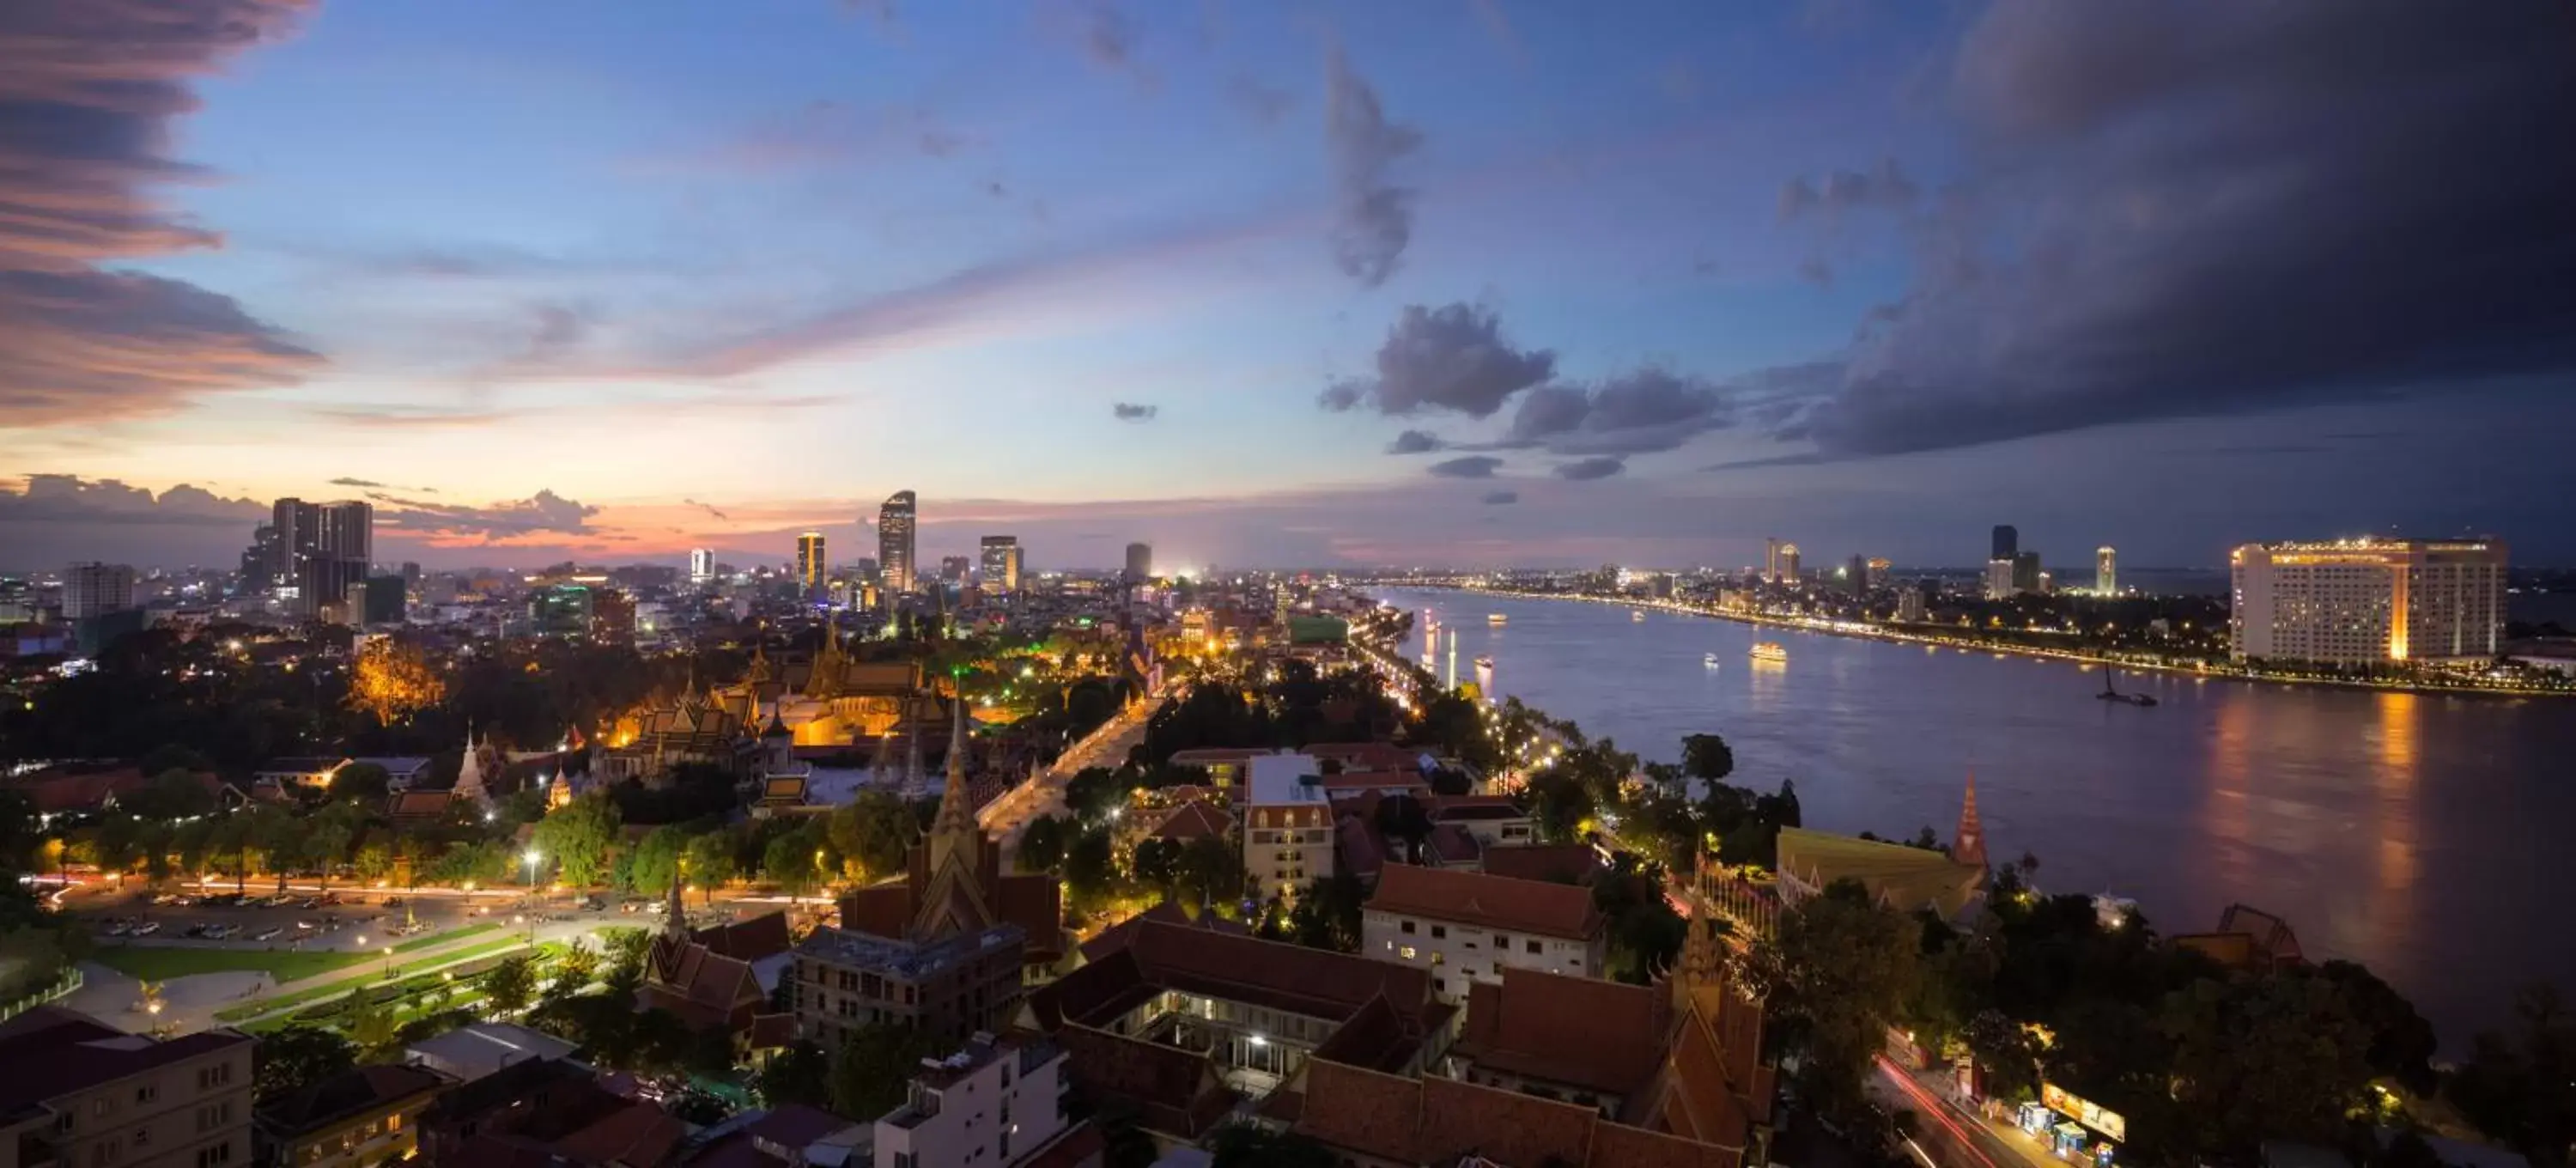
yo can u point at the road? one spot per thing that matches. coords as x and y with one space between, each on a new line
1953 1136
1009 814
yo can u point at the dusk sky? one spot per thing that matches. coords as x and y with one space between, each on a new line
1308 284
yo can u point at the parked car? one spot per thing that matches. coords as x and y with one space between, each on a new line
147 928
268 934
118 929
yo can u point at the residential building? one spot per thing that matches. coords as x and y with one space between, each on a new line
612 616
386 599
702 565
1287 826
1140 562
471 1052
788 1135
321 549
75 1093
1583 1040
560 610
811 564
1770 560
547 1111
1999 580
1910 606
1001 565
994 1103
1856 574
1788 572
944 951
2026 574
1875 573
2106 571
91 590
955 569
2368 601
895 542
1467 927
359 1118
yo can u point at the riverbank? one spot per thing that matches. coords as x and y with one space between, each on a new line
1910 636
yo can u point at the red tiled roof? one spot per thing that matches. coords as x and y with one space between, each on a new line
1563 863
49 1051
880 910
1115 937
1583 1032
1497 902
1194 820
55 791
748 940
1452 845
1361 854
1435 1120
638 1134
1082 1145
1035 902
1314 982
1175 1091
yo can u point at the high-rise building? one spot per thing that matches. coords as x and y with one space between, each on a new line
321 549
702 565
560 610
385 600
1878 567
2106 571
955 569
1140 561
2025 572
810 562
1856 575
894 541
293 526
259 562
2351 602
96 590
1001 564
1999 579
1770 561
1910 607
2007 542
1785 567
2002 565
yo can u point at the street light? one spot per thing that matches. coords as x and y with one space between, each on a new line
532 857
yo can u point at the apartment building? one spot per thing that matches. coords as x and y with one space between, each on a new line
75 1093
1287 826
1466 927
994 1103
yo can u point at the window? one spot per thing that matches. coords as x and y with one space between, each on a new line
1440 985
1533 946
1406 953
1406 927
209 1157
1503 942
1439 932
142 1137
147 1093
905 1160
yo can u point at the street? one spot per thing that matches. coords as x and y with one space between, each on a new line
1010 813
1952 1136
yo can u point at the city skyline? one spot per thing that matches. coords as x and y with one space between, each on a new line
1458 285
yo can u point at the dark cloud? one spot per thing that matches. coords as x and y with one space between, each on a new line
1584 470
358 483
1265 104
1809 458
1451 358
554 331
1373 218
1109 39
1845 191
1474 466
1639 412
1414 442
543 513
709 508
1135 411
59 498
87 95
2212 207
1501 498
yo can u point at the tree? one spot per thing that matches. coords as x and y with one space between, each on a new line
1091 865
1707 757
1208 871
1402 818
1041 845
170 795
2521 1088
875 830
326 842
625 948
578 837
2258 1057
802 1073
1326 914
874 1068
360 782
510 985
392 682
1155 861
2004 1051
578 964
1842 966
656 857
298 1057
372 1027
709 861
794 859
271 830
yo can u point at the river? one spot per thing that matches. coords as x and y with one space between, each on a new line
2426 837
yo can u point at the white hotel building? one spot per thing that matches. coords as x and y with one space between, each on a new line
2366 601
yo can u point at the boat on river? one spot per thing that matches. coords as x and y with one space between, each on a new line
1769 651
1708 659
1494 618
1637 616
2111 693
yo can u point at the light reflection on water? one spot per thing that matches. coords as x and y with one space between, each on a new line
2422 835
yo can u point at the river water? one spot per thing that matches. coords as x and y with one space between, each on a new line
2427 837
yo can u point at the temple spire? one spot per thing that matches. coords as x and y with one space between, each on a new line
675 918
1968 844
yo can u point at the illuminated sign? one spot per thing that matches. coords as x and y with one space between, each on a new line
2091 1115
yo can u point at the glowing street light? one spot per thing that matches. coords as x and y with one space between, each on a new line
532 856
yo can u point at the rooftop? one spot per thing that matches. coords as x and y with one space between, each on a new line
905 959
347 1095
1275 778
49 1052
1495 902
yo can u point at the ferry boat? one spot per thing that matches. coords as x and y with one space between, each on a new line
1708 659
1637 616
1494 618
1769 651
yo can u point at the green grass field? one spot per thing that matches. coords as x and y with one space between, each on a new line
419 943
154 964
371 977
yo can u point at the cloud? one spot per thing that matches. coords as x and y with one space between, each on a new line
396 417
358 483
709 509
1474 466
1265 104
1134 412
1414 442
2216 208
1109 39
1638 412
1451 358
1373 218
1584 470
61 498
87 95
545 513
1501 498
1808 458
1845 191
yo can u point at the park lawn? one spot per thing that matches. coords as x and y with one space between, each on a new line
373 977
418 943
159 964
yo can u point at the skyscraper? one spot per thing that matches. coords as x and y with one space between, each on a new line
97 589
2106 571
2368 600
2000 573
702 565
894 541
1770 561
1786 568
2025 572
321 549
810 564
295 526
259 562
1878 567
2007 542
1001 564
1856 575
1140 562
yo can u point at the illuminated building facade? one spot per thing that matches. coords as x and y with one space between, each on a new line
810 561
1878 569
895 541
2106 571
97 589
2000 560
1787 568
702 565
2364 601
1001 564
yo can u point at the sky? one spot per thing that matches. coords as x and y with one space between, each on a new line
1304 283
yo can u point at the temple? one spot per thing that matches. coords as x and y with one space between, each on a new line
706 989
1968 846
823 699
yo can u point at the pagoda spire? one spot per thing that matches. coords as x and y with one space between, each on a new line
912 748
675 916
1968 844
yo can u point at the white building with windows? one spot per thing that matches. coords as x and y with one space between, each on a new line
998 1102
1467 927
1287 825
2368 601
